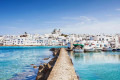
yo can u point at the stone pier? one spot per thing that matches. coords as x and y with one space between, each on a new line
63 68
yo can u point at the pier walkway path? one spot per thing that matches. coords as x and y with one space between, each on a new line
63 68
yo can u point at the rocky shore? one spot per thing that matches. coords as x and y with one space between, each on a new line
45 69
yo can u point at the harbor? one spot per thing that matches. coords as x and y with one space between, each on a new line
47 67
59 39
90 47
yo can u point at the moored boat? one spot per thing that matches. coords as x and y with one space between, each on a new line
107 49
114 49
78 48
89 49
118 49
98 49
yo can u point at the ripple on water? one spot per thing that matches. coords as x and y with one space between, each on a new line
97 66
15 62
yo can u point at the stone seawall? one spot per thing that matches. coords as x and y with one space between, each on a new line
63 68
58 68
45 69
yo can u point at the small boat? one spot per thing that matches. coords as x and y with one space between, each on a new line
78 48
118 49
98 49
107 49
89 49
114 49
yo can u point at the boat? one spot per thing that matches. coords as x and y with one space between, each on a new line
118 49
98 49
89 49
78 48
107 49
114 49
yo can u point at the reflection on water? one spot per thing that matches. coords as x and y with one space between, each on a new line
97 66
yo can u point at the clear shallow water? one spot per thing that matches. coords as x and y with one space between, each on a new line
97 66
15 62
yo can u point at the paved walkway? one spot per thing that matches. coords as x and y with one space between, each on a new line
63 68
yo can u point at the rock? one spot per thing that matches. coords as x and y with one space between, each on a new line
47 74
51 62
54 53
78 77
34 66
44 64
41 67
49 66
46 58
52 49
40 77
45 69
71 61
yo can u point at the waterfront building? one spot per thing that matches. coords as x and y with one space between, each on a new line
55 38
1 40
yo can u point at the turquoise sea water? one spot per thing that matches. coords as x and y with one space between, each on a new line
97 66
15 62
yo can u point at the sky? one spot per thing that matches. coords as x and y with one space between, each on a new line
71 16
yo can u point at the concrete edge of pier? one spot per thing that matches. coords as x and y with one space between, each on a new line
63 68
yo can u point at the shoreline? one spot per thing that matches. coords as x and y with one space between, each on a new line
45 69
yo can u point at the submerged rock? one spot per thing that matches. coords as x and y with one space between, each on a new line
35 67
31 64
54 53
52 49
46 58
41 67
40 77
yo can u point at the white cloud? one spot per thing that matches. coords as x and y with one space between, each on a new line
79 18
109 27
83 24
82 19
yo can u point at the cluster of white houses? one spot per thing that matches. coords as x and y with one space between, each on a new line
56 38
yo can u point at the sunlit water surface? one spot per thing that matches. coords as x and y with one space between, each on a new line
15 62
97 66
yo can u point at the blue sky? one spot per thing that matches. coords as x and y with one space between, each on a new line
71 16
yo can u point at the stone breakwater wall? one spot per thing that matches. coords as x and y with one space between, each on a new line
58 68
45 69
63 68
